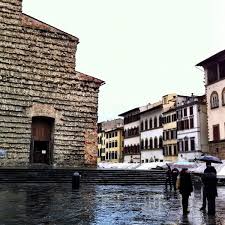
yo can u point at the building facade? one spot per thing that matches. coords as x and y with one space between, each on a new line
214 70
192 132
110 141
151 132
48 110
131 136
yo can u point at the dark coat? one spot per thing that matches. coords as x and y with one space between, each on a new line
186 186
175 173
210 184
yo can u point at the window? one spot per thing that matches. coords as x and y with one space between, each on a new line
150 123
107 135
146 143
191 110
174 117
155 122
175 149
107 145
146 160
155 142
115 155
112 134
216 132
107 155
142 144
115 133
214 100
110 144
185 111
191 122
115 143
160 121
146 124
160 142
142 125
186 124
168 119
193 144
186 144
223 97
170 150
150 143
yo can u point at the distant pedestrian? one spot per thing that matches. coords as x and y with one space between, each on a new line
174 173
168 177
186 188
209 180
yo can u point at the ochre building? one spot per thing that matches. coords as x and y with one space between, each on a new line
48 110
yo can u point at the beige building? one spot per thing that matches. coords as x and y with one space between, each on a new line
214 68
110 141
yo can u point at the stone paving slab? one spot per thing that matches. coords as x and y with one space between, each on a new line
58 204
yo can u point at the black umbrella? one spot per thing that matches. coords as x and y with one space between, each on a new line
209 158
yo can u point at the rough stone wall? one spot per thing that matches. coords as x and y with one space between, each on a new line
37 77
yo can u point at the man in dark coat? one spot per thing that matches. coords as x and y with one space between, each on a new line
209 180
186 188
209 168
175 173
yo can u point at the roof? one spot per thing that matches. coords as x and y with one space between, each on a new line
85 77
130 111
160 106
29 21
211 58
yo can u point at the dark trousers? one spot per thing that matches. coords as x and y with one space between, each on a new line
211 205
168 180
185 198
203 198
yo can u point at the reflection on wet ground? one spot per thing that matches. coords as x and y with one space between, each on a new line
57 204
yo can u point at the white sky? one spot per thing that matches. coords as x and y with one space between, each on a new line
142 49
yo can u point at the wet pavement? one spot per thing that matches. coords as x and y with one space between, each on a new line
57 204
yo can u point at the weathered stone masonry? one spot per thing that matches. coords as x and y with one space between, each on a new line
38 79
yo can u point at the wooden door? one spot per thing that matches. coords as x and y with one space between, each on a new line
41 140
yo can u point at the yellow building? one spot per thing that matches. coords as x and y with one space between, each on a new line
110 141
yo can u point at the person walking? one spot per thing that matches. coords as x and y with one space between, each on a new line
168 177
185 188
208 168
175 173
209 180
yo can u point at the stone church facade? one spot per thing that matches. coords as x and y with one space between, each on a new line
48 110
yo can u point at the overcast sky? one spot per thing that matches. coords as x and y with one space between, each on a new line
142 49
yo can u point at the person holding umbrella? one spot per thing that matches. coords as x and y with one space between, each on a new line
209 181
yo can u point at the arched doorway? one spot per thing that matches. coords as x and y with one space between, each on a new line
42 140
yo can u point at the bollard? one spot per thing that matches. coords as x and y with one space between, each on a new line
76 180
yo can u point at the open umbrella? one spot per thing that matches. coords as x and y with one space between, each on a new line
209 158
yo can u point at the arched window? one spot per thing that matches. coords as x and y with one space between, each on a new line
146 143
115 155
142 125
214 100
160 120
155 122
150 143
107 155
146 124
150 123
160 142
142 144
223 96
155 142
